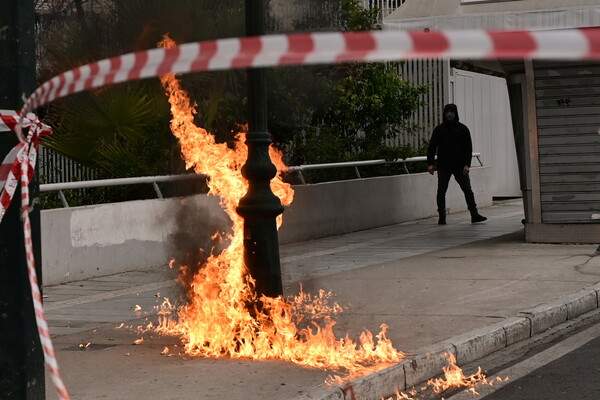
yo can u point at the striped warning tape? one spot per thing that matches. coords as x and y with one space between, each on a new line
321 48
10 168
40 315
298 49
17 166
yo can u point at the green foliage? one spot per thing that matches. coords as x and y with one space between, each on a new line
355 18
318 114
362 107
373 103
294 97
120 131
124 130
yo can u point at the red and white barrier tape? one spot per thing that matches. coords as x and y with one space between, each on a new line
9 120
10 169
22 161
40 315
321 48
281 50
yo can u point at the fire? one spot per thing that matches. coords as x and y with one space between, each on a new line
453 378
218 319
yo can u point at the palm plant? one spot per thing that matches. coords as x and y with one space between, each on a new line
123 130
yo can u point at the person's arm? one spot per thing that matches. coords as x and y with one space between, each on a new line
467 150
431 150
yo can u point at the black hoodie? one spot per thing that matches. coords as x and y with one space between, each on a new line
452 142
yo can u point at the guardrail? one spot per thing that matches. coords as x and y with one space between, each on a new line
357 164
53 187
154 180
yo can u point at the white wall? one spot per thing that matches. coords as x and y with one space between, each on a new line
84 242
483 106
333 208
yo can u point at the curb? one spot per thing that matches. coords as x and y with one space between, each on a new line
428 361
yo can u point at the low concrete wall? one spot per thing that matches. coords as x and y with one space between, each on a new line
332 208
83 242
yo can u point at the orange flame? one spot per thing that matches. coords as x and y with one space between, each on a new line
217 320
453 378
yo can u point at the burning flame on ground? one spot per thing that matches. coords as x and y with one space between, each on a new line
221 317
453 378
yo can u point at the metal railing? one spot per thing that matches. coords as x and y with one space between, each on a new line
386 7
154 180
53 187
357 164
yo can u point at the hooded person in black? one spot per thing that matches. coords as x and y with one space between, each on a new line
451 140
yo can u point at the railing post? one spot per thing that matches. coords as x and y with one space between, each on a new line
157 190
301 177
63 199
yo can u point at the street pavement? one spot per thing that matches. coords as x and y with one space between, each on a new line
561 363
573 376
428 283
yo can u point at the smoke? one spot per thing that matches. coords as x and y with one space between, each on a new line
201 229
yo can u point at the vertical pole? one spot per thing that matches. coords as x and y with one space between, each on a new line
260 207
533 151
21 356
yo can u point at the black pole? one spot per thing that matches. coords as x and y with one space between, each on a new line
21 356
260 207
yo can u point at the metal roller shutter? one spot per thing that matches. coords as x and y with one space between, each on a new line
568 119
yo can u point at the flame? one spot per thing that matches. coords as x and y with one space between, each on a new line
221 316
453 378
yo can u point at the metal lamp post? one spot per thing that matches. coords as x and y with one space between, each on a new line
259 207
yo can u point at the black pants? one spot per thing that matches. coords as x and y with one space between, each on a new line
464 182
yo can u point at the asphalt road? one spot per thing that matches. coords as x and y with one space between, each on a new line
575 375
566 367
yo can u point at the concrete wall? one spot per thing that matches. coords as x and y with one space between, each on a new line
333 208
83 242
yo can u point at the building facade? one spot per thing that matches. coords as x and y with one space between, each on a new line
555 109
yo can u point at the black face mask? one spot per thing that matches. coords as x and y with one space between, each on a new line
450 116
